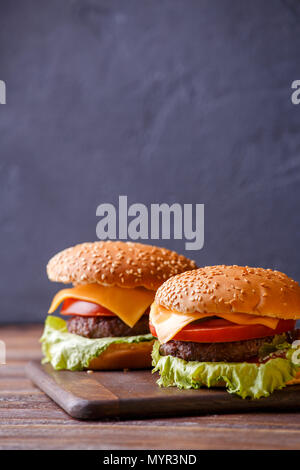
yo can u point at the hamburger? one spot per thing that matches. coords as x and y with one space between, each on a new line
106 312
227 326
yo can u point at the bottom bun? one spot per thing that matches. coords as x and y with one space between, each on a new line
124 356
295 380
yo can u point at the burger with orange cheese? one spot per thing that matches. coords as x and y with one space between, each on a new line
227 326
106 311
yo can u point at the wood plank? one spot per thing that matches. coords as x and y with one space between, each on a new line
29 419
136 437
136 394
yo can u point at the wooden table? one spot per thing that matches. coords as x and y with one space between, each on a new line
30 420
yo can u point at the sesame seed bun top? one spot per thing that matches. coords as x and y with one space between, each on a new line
228 289
117 263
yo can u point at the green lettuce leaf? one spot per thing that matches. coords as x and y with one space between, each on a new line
66 350
278 343
244 379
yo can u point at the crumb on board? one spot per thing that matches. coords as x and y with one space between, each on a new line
89 371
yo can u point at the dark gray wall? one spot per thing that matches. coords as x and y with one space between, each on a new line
165 101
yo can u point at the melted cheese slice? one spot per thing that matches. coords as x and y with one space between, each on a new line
127 304
168 323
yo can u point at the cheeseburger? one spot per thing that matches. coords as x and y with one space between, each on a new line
107 309
227 326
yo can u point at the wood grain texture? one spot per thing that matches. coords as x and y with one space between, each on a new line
31 420
135 394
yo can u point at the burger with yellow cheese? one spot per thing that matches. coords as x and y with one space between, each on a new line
107 309
227 326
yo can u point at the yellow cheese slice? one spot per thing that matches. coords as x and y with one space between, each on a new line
127 304
168 323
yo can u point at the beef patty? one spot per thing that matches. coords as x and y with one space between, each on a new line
103 327
237 351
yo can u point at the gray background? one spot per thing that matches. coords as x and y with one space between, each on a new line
165 101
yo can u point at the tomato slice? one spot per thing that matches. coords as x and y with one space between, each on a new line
222 331
84 309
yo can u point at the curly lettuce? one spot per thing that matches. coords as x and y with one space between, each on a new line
248 380
66 350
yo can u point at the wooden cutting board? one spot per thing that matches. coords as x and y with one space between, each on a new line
135 394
